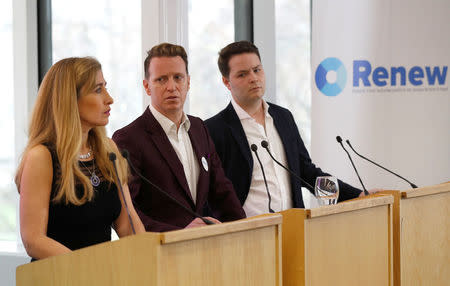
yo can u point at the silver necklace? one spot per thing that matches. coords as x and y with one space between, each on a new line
95 180
85 156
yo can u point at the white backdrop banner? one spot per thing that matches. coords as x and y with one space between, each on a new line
380 79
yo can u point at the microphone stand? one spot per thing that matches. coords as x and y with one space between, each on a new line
112 158
339 140
265 145
205 220
254 149
351 147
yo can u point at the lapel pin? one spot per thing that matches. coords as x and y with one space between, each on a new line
205 164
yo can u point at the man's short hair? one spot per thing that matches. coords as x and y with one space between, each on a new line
165 50
232 49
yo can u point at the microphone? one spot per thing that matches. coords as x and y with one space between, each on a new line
125 154
112 158
265 145
254 149
339 140
412 185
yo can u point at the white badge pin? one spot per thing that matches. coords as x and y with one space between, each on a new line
205 164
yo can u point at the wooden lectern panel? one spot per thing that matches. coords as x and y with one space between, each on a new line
227 260
425 239
109 263
344 244
244 252
351 248
127 261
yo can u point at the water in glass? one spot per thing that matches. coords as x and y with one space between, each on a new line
327 190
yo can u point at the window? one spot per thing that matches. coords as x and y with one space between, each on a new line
293 69
8 191
109 30
211 27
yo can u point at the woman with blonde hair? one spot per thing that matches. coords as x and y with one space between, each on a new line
69 198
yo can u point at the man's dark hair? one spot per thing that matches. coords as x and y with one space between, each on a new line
165 50
232 49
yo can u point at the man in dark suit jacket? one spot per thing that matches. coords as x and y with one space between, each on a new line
174 151
243 74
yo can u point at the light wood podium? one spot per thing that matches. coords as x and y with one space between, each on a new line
345 244
245 252
422 236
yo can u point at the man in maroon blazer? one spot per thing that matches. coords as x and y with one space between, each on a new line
174 151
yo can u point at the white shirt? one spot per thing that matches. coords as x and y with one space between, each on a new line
182 145
278 180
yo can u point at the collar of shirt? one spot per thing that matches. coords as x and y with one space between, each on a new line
168 125
242 114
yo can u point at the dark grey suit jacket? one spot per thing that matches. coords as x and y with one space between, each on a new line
232 146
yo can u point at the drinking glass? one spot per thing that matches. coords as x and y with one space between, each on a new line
327 190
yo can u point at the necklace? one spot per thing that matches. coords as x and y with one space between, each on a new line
95 180
85 156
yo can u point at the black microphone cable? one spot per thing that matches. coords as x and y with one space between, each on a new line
339 140
205 220
265 145
414 186
112 158
254 149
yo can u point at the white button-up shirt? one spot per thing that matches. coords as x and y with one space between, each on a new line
182 145
278 180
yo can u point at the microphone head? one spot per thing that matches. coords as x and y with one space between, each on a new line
112 156
125 153
338 139
254 147
264 144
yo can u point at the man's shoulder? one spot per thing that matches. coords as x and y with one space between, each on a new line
218 119
281 114
195 120
129 129
197 125
277 108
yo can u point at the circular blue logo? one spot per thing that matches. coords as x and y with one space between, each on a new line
336 87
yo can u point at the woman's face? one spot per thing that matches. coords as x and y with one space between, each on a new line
94 107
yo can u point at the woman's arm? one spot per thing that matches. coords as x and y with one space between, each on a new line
35 189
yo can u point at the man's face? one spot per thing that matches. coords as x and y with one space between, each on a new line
167 85
246 81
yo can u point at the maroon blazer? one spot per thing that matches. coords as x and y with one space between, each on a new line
153 155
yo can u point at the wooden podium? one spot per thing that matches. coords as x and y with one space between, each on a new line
245 252
422 236
345 244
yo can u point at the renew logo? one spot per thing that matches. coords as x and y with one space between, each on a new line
328 68
331 77
381 76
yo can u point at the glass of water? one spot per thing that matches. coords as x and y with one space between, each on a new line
327 190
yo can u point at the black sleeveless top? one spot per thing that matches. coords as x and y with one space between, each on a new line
80 226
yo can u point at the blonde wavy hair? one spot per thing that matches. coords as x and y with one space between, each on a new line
55 121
